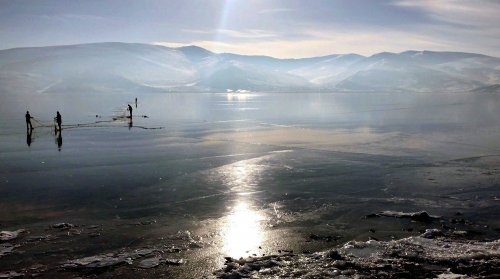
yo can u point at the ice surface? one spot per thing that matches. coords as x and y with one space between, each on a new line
421 216
11 274
145 258
220 180
10 235
6 249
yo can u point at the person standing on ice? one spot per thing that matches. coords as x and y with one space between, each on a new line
130 110
58 121
28 121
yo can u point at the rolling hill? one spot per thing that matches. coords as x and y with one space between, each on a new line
125 67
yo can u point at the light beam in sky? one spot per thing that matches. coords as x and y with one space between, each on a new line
226 9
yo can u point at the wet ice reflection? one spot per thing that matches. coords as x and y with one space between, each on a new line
238 96
243 231
241 176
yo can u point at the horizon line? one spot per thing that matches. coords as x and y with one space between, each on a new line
242 54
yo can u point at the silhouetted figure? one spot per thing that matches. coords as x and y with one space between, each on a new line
59 140
130 110
58 121
28 136
28 121
135 102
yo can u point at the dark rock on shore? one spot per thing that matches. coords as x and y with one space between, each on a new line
63 226
420 216
412 257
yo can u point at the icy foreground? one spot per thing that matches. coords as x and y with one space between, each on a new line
412 257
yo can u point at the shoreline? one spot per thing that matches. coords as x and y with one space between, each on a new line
423 256
459 248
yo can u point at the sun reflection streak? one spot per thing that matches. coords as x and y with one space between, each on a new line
243 227
243 231
238 97
241 176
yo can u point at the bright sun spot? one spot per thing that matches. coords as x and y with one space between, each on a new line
243 231
238 96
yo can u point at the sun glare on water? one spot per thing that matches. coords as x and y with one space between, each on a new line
243 231
231 96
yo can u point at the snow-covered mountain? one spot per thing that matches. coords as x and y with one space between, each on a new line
122 67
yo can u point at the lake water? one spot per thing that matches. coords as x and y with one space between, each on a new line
240 174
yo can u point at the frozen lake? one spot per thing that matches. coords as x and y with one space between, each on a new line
237 174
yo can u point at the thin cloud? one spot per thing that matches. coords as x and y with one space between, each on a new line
473 13
323 43
246 34
472 25
194 31
238 34
73 17
276 10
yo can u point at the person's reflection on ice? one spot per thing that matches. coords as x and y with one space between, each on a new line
29 132
59 141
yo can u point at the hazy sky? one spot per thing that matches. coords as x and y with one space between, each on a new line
292 28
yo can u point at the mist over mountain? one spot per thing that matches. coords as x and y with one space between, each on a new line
123 67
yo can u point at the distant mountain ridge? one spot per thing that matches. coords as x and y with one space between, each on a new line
126 67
